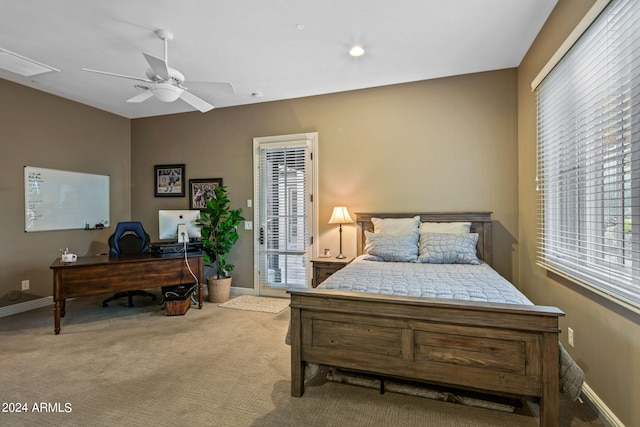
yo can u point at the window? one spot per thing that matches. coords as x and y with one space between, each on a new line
589 158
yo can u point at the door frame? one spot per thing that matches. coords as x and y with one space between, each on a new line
311 137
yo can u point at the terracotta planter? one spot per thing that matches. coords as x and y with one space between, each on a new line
219 289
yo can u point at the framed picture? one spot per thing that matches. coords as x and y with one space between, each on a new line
169 180
201 190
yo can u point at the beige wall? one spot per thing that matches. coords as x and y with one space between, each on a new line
446 144
37 129
607 337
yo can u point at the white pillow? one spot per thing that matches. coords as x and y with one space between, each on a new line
443 248
445 227
395 226
392 247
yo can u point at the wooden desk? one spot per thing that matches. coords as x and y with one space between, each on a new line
103 274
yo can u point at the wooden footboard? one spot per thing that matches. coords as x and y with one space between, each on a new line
496 348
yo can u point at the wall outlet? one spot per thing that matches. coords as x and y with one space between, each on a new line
248 225
570 336
25 285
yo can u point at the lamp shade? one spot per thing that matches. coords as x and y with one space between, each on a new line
340 216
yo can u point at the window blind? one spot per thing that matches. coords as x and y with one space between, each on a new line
285 234
588 172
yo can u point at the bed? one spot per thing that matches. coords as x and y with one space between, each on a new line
495 347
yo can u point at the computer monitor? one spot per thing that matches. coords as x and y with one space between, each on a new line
170 221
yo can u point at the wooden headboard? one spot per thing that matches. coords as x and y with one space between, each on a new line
480 223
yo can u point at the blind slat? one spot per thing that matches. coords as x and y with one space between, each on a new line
588 160
283 176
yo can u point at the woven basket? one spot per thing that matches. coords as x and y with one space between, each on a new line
178 307
219 289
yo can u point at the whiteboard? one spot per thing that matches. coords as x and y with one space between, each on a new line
63 200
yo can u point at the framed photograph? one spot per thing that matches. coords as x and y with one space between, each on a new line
169 180
201 190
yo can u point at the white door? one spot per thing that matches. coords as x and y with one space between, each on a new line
284 174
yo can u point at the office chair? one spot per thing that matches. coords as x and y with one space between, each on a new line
129 238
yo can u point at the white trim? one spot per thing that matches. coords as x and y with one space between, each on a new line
25 306
237 291
592 400
278 141
10 310
629 306
604 413
582 26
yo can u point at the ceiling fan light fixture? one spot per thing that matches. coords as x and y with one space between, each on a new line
166 92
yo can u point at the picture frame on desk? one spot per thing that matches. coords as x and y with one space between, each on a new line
169 180
201 190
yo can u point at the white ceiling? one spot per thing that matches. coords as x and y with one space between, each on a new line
256 45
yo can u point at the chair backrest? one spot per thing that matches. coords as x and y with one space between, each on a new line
129 238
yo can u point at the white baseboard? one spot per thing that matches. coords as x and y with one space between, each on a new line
604 413
242 291
46 301
25 306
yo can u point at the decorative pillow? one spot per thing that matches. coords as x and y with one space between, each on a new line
395 226
445 227
446 248
394 247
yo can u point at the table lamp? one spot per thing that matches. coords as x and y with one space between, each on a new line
340 216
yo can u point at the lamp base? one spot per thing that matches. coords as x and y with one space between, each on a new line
340 256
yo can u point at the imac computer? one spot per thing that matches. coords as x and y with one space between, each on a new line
179 225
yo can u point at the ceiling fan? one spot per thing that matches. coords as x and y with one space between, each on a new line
164 82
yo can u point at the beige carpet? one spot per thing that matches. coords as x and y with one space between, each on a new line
253 303
121 366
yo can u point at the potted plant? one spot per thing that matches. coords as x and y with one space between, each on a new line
219 222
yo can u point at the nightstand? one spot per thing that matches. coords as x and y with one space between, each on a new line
325 267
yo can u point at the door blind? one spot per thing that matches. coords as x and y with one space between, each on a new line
588 110
284 232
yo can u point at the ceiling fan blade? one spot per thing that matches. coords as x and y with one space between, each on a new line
141 96
196 102
217 86
159 66
117 75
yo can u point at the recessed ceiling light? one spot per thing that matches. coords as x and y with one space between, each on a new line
300 27
356 51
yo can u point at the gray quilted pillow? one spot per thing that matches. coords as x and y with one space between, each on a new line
389 247
442 248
